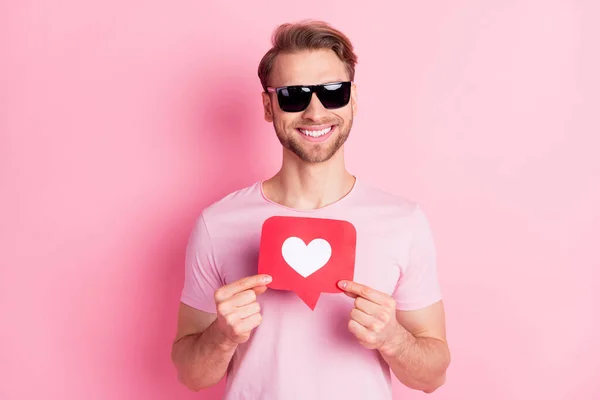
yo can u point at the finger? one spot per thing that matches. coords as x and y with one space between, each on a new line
364 291
232 305
365 337
259 289
249 310
227 291
366 320
378 312
358 330
350 295
367 306
243 298
247 324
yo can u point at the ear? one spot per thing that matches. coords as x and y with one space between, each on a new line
268 109
353 96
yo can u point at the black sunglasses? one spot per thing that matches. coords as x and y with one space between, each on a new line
297 98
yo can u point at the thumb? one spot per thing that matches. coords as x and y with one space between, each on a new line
259 289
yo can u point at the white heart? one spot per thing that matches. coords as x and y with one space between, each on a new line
304 259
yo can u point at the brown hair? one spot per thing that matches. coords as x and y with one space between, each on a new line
307 35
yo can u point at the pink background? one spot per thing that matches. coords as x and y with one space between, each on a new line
121 120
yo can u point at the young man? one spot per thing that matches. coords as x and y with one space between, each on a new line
268 342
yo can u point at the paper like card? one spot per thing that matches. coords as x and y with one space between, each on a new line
307 255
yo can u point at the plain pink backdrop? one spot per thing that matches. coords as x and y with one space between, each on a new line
121 120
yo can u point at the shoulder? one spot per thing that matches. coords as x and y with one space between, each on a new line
232 206
392 210
385 201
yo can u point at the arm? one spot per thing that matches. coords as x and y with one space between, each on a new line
206 342
416 348
417 352
200 352
411 342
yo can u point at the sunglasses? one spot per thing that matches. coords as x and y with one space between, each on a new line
297 98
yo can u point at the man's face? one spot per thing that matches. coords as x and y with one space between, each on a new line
299 132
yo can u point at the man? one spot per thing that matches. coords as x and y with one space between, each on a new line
268 343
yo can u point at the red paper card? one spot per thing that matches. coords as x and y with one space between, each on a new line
307 255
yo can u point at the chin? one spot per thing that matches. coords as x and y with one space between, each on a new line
315 157
316 152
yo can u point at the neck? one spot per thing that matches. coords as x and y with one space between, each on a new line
308 186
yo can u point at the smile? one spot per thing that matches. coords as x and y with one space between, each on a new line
315 133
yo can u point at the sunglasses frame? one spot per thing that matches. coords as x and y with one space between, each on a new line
313 89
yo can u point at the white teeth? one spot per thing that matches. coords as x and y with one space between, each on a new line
315 133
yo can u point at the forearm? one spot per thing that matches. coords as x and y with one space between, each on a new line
202 359
418 362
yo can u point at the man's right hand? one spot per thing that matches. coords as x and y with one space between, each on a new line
238 312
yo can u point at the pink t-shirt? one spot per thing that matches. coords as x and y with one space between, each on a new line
296 352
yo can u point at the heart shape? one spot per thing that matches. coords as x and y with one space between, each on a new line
304 259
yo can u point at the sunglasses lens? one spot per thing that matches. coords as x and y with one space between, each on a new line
335 95
294 99
297 98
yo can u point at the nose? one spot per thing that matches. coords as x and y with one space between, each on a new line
315 110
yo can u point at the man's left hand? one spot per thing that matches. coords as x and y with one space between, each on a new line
373 318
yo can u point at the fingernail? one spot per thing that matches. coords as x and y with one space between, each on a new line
267 279
342 284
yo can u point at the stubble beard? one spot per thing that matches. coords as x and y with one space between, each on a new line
318 152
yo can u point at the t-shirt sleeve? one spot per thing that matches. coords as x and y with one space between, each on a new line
418 285
202 276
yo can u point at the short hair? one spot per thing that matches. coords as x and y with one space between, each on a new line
307 35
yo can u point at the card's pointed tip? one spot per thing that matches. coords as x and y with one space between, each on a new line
310 299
